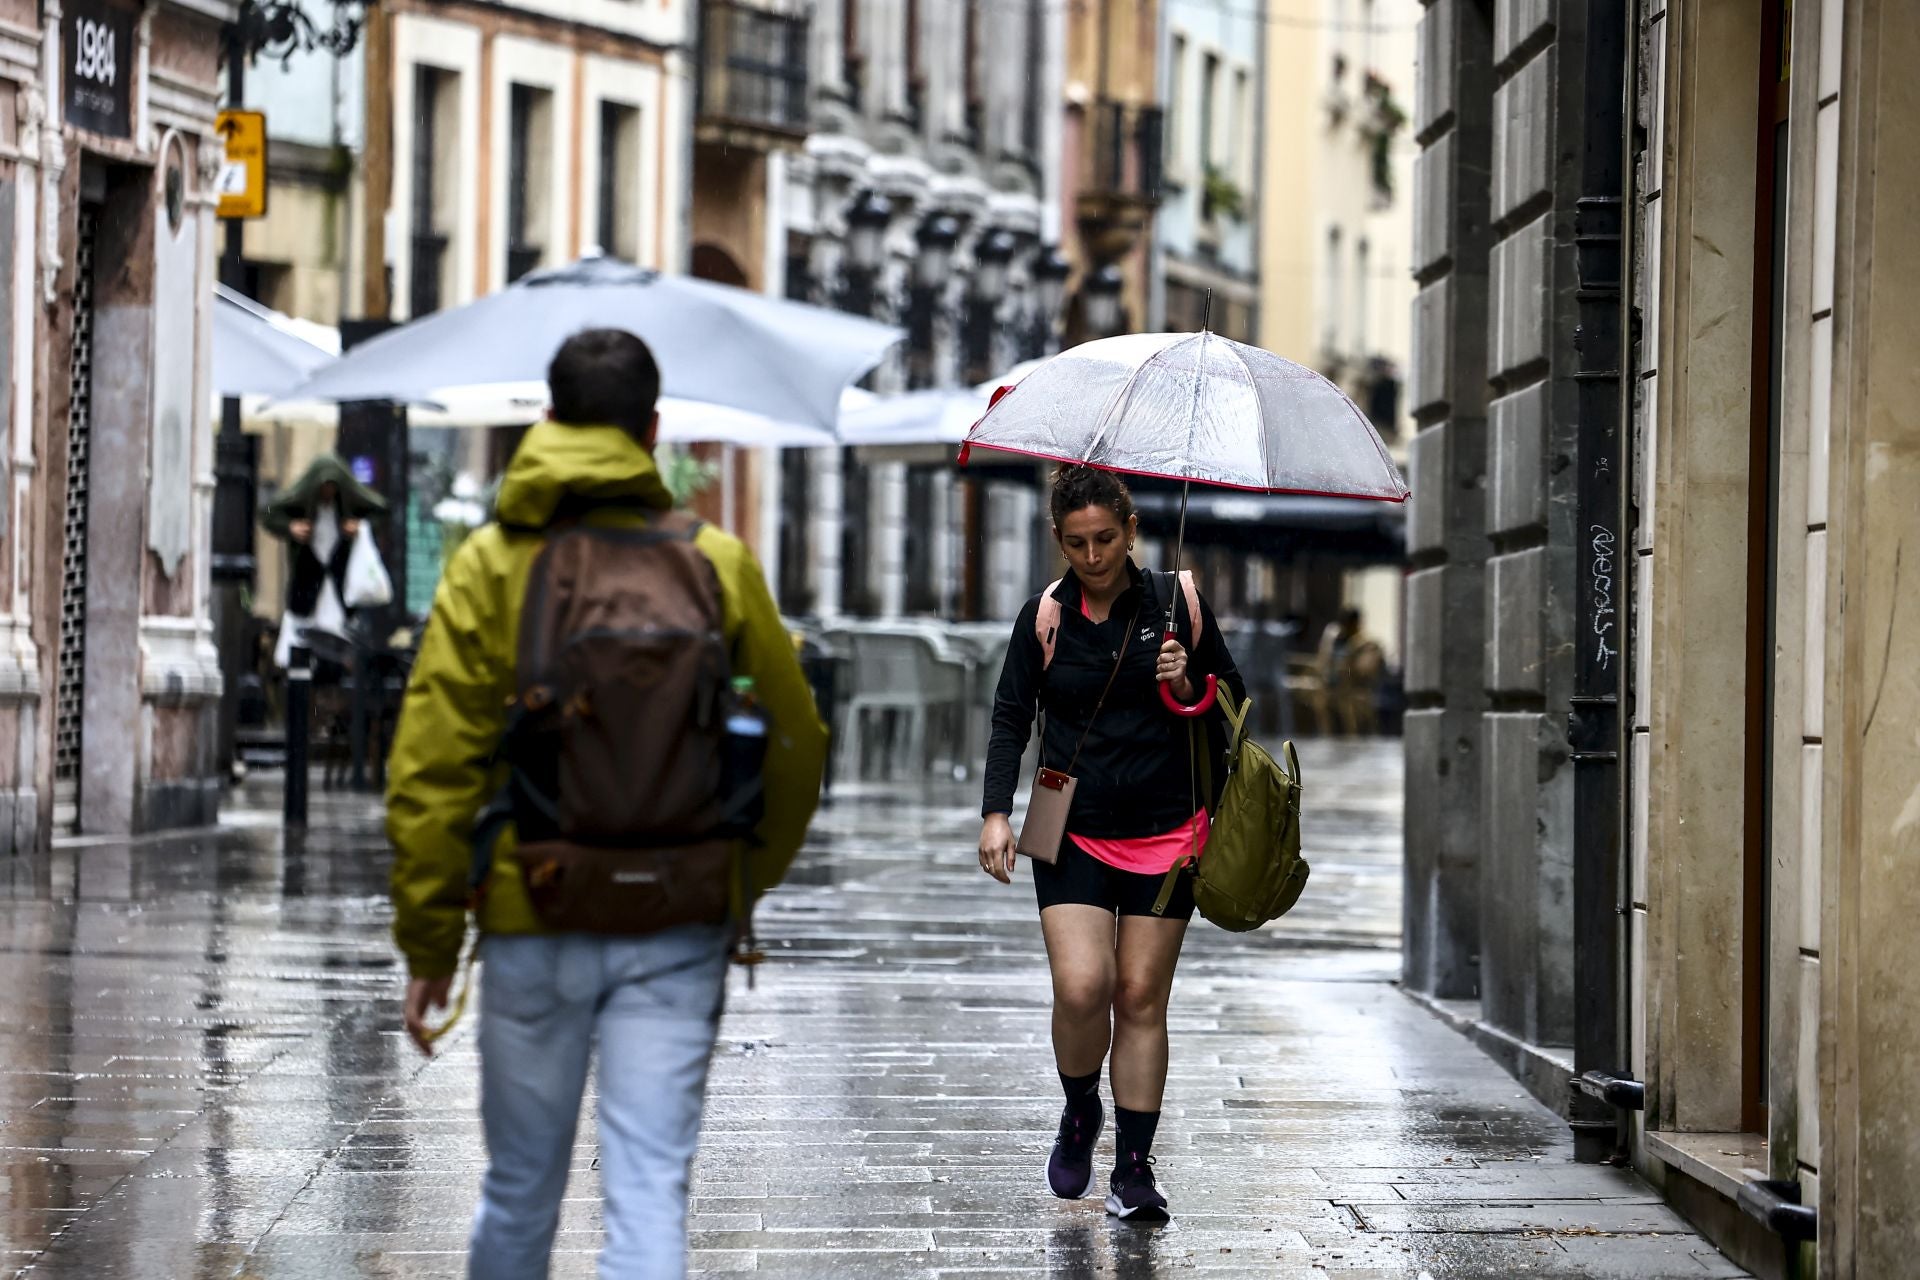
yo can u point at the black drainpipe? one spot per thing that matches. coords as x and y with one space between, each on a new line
1604 556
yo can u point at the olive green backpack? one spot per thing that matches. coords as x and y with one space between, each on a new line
1252 871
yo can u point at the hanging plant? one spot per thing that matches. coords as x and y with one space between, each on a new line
1223 197
1388 118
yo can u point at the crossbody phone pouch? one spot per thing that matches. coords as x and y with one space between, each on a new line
1045 826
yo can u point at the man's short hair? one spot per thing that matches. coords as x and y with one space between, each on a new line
604 377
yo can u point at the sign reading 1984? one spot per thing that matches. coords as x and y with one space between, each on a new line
99 67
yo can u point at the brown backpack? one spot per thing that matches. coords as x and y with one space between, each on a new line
616 736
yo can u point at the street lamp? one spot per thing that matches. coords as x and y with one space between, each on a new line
866 231
938 236
1049 271
867 225
1101 297
277 29
991 261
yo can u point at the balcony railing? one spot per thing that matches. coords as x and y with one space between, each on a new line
753 67
1128 147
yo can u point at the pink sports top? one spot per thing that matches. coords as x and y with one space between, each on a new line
1148 855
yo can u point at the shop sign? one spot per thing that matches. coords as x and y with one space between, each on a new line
99 66
243 170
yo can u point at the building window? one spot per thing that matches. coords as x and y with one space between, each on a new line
619 227
436 158
753 66
529 178
1362 291
1330 303
1177 105
1209 97
1241 124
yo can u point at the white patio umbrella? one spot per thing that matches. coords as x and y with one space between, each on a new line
258 351
942 416
513 404
716 345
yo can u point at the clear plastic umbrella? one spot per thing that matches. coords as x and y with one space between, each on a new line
1194 407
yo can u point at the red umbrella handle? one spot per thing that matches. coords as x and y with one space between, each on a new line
1199 708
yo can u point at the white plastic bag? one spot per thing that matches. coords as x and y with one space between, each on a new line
368 586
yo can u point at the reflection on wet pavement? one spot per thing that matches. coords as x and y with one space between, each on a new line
202 1075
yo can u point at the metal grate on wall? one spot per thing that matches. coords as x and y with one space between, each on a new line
71 698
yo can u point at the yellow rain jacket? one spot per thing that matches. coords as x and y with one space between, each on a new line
439 777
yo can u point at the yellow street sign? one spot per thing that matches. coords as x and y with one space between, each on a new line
243 173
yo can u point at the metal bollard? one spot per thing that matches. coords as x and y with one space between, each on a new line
299 719
358 725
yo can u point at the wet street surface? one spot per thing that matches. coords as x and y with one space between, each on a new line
202 1074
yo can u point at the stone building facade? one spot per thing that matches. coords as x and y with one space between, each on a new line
108 677
1758 1024
938 129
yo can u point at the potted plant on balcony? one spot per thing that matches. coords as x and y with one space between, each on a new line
1222 197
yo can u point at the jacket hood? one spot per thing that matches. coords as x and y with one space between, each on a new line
556 462
296 501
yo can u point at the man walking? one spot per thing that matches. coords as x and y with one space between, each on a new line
568 716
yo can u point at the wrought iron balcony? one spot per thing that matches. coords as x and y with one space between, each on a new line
753 73
1127 144
1121 187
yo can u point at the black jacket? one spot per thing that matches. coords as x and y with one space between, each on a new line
303 589
1136 770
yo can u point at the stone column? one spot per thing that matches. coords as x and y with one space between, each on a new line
1447 526
1527 944
824 539
1870 811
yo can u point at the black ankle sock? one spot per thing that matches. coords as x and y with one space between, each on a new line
1135 1130
1082 1091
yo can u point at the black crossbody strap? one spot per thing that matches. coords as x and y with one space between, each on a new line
1118 658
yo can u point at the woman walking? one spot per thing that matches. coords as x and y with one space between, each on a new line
1135 815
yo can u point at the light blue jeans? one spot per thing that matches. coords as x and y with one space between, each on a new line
653 1004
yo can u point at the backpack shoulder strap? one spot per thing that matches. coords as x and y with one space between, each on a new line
1183 582
1192 592
678 523
1046 623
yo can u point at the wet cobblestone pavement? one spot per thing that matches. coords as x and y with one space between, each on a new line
202 1075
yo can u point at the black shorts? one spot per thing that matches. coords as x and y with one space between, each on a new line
1079 877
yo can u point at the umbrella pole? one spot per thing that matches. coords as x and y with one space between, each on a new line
1207 696
1179 547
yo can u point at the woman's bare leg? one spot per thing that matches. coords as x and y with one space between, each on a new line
1144 960
1080 951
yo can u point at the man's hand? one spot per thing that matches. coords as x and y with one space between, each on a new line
350 528
301 531
424 994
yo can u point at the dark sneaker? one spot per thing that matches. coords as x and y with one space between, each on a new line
1070 1168
1134 1198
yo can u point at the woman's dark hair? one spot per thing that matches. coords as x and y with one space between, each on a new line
604 377
1077 488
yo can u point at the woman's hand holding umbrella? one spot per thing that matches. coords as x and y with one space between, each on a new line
1172 671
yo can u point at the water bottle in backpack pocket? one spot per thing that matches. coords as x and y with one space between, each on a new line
743 801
